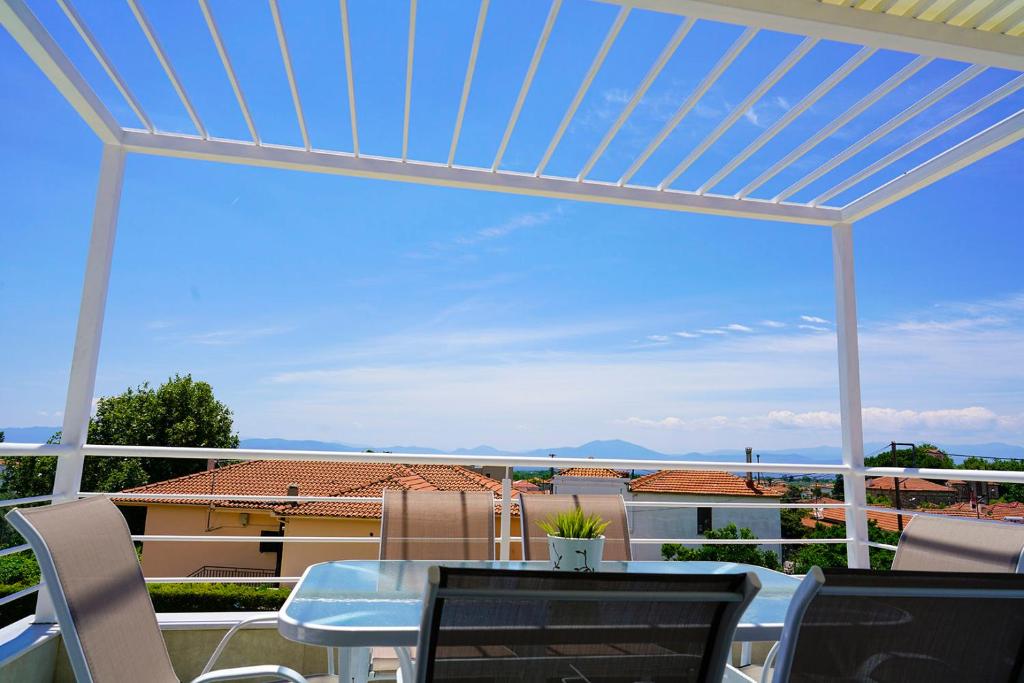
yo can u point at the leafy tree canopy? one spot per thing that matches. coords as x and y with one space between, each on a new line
834 554
181 412
924 455
746 553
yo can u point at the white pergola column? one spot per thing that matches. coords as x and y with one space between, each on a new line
82 380
849 395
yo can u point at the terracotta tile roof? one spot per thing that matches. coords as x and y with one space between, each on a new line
316 478
592 472
524 486
884 520
996 511
906 484
712 483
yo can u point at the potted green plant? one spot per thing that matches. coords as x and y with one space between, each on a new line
575 540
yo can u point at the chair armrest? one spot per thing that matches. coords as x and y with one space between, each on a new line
263 618
251 672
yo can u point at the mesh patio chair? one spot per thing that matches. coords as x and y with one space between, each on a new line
437 525
903 627
88 563
960 545
503 625
535 508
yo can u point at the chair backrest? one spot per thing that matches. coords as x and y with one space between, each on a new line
504 625
931 543
88 563
932 627
537 508
437 525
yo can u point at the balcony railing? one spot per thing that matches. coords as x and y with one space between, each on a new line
853 510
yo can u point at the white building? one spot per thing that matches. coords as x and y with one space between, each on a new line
680 486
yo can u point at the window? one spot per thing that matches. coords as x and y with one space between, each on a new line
703 520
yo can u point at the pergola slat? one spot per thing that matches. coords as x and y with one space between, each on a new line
690 102
524 89
410 50
924 138
350 80
853 112
822 89
659 64
595 66
467 82
877 133
104 60
218 42
739 110
168 68
282 41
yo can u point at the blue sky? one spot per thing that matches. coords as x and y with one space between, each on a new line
381 313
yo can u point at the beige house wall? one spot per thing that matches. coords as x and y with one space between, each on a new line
173 558
181 558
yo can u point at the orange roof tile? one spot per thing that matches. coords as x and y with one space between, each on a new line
884 520
592 472
906 484
996 511
701 482
316 478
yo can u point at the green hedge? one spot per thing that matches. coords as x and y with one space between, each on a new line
216 597
172 597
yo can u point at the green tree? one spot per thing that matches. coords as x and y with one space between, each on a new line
181 412
924 455
838 488
1007 492
745 553
834 554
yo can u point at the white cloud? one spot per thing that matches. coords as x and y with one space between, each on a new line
231 337
687 335
889 421
814 319
711 331
525 220
736 327
954 325
816 328
658 338
772 323
751 116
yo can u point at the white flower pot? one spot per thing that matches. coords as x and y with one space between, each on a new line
575 554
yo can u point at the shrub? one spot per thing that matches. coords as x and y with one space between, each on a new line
740 553
216 597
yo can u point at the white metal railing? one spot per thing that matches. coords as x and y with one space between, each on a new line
506 539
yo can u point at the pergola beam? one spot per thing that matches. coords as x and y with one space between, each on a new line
988 141
315 161
26 30
851 25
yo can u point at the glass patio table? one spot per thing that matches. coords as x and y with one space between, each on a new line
359 604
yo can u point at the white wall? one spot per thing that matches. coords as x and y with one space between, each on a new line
652 522
580 485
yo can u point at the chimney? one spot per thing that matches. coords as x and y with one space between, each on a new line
750 475
293 491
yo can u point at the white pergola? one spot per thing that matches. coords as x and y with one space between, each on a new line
981 34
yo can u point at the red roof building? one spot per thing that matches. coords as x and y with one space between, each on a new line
709 483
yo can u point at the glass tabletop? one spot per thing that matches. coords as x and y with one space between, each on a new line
379 602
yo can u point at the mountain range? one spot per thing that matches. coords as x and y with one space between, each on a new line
598 450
